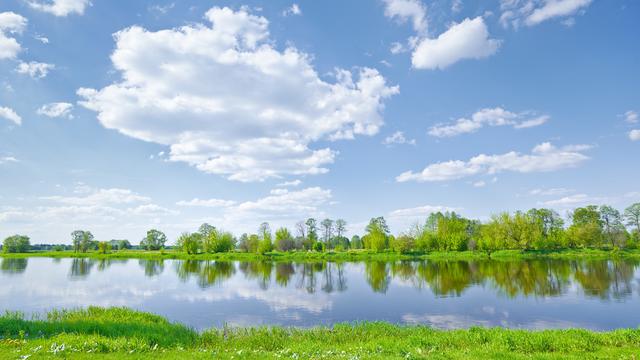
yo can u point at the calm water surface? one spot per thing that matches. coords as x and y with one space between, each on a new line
445 294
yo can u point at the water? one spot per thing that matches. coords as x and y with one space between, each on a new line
592 294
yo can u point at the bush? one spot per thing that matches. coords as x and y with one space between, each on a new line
16 244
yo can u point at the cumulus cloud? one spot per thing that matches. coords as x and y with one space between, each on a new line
634 135
60 7
10 23
468 39
407 10
9 114
260 116
56 109
36 70
532 12
543 158
398 138
213 203
90 196
291 183
294 9
631 117
8 159
488 117
550 191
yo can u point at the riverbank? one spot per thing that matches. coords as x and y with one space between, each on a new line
115 333
351 255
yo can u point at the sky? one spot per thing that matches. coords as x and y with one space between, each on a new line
121 116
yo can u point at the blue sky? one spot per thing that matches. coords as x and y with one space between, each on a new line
121 116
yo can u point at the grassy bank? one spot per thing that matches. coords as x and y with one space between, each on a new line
351 255
117 333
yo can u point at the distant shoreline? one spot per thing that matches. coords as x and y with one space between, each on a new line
351 255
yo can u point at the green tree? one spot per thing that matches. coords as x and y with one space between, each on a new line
614 231
403 243
312 232
205 230
266 243
284 240
154 240
190 243
16 244
632 216
104 247
586 227
327 230
81 240
377 235
356 242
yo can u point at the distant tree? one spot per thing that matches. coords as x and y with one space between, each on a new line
586 227
613 229
253 243
403 243
104 247
154 240
16 244
356 242
377 233
327 230
632 216
284 240
243 243
81 240
205 230
341 227
189 243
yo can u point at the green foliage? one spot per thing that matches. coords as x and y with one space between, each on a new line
284 240
377 236
120 333
318 246
403 243
586 229
16 244
81 240
356 242
104 247
190 243
154 240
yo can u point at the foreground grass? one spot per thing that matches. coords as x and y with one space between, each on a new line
350 255
117 333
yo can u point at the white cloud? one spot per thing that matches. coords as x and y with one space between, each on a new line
407 10
490 117
213 203
9 114
260 116
151 210
294 9
572 201
631 117
533 12
550 192
543 158
93 197
42 39
8 159
456 6
291 183
36 70
421 211
10 23
60 7
57 109
398 138
398 48
466 40
634 135
162 9
480 183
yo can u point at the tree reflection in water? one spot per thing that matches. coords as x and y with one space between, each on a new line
152 267
13 266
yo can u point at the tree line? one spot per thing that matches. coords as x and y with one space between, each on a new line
537 229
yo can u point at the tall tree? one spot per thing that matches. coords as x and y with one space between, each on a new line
81 240
154 240
16 244
205 230
614 230
341 227
327 230
632 216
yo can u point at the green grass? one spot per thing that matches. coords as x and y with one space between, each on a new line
351 255
117 333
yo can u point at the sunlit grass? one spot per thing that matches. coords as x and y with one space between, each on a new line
118 333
